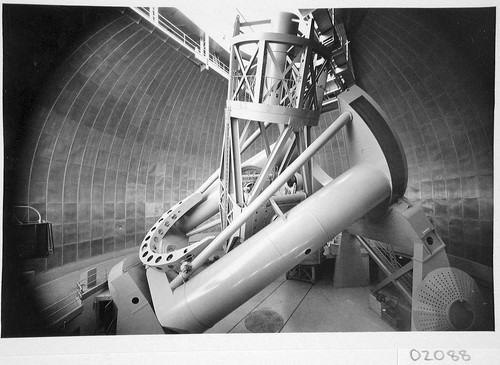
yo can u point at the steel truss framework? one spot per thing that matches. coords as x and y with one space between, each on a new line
281 80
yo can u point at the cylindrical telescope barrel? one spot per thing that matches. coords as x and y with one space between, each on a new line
342 120
223 286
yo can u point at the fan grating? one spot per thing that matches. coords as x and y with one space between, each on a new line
447 299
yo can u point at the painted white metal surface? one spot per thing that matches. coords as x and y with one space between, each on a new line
223 286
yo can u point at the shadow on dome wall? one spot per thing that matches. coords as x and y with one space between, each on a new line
102 125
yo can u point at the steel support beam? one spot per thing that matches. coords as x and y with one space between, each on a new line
341 121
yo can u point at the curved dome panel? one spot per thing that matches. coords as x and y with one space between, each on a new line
440 101
127 126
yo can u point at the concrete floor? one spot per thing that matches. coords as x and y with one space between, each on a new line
296 306
300 306
306 307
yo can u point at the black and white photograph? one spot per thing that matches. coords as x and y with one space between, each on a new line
263 176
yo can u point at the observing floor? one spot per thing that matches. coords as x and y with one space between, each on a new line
286 305
298 306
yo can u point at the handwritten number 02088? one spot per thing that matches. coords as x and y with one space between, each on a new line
439 355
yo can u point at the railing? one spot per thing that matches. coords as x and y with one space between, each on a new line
93 280
64 309
200 51
57 311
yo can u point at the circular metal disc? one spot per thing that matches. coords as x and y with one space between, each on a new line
264 321
447 300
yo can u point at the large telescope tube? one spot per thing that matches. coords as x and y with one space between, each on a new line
223 286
